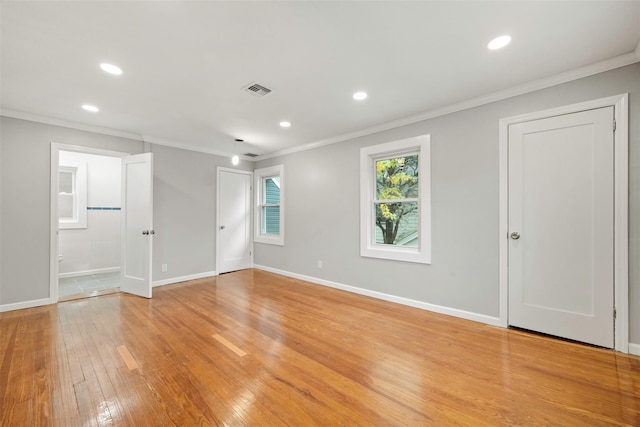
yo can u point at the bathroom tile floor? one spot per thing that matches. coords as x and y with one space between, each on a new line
88 286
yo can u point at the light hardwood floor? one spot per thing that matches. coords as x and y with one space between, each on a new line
252 348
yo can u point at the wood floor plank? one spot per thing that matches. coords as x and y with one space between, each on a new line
229 345
127 357
253 348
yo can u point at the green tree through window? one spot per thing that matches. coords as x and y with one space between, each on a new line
396 213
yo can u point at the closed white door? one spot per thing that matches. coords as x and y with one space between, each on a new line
561 235
234 220
137 224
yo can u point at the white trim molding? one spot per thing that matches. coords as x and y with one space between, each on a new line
468 315
634 349
26 304
89 272
567 76
621 208
147 139
14 114
180 279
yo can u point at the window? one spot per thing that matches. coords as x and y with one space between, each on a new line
269 205
72 196
395 214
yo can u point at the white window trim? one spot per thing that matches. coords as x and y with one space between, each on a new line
79 220
260 175
368 156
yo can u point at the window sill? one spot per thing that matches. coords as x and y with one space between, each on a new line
269 240
397 254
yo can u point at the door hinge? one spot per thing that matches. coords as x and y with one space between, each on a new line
614 125
615 314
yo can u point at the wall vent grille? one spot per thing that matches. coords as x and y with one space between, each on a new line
251 154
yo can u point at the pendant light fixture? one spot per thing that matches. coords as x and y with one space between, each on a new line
235 159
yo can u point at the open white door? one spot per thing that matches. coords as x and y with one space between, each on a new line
137 224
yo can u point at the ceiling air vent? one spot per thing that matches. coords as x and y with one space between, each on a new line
250 154
257 90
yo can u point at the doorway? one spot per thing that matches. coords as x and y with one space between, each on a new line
101 222
89 196
234 236
563 222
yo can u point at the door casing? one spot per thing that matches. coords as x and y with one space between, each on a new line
621 196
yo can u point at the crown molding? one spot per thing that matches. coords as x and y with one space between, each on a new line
112 132
578 73
14 114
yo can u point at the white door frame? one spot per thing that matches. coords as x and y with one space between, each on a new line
218 171
54 227
621 213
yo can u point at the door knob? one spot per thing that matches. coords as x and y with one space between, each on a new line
515 235
222 227
145 232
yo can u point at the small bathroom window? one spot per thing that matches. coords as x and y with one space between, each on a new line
72 196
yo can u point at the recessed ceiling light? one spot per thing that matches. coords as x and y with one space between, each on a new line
91 108
359 96
111 69
285 124
499 42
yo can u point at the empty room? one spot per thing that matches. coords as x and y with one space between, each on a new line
320 213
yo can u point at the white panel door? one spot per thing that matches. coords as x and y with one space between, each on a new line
234 220
137 224
561 212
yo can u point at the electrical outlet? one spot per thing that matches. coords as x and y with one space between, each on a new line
164 268
320 263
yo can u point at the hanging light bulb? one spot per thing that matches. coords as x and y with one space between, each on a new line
235 159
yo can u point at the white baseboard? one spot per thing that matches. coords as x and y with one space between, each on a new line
89 272
482 318
183 278
26 304
634 349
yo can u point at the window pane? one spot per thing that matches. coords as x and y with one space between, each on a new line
65 206
397 224
271 220
397 178
65 182
272 190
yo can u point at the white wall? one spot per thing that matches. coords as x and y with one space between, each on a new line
322 211
96 247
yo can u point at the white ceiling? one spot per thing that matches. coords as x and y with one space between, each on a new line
186 63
